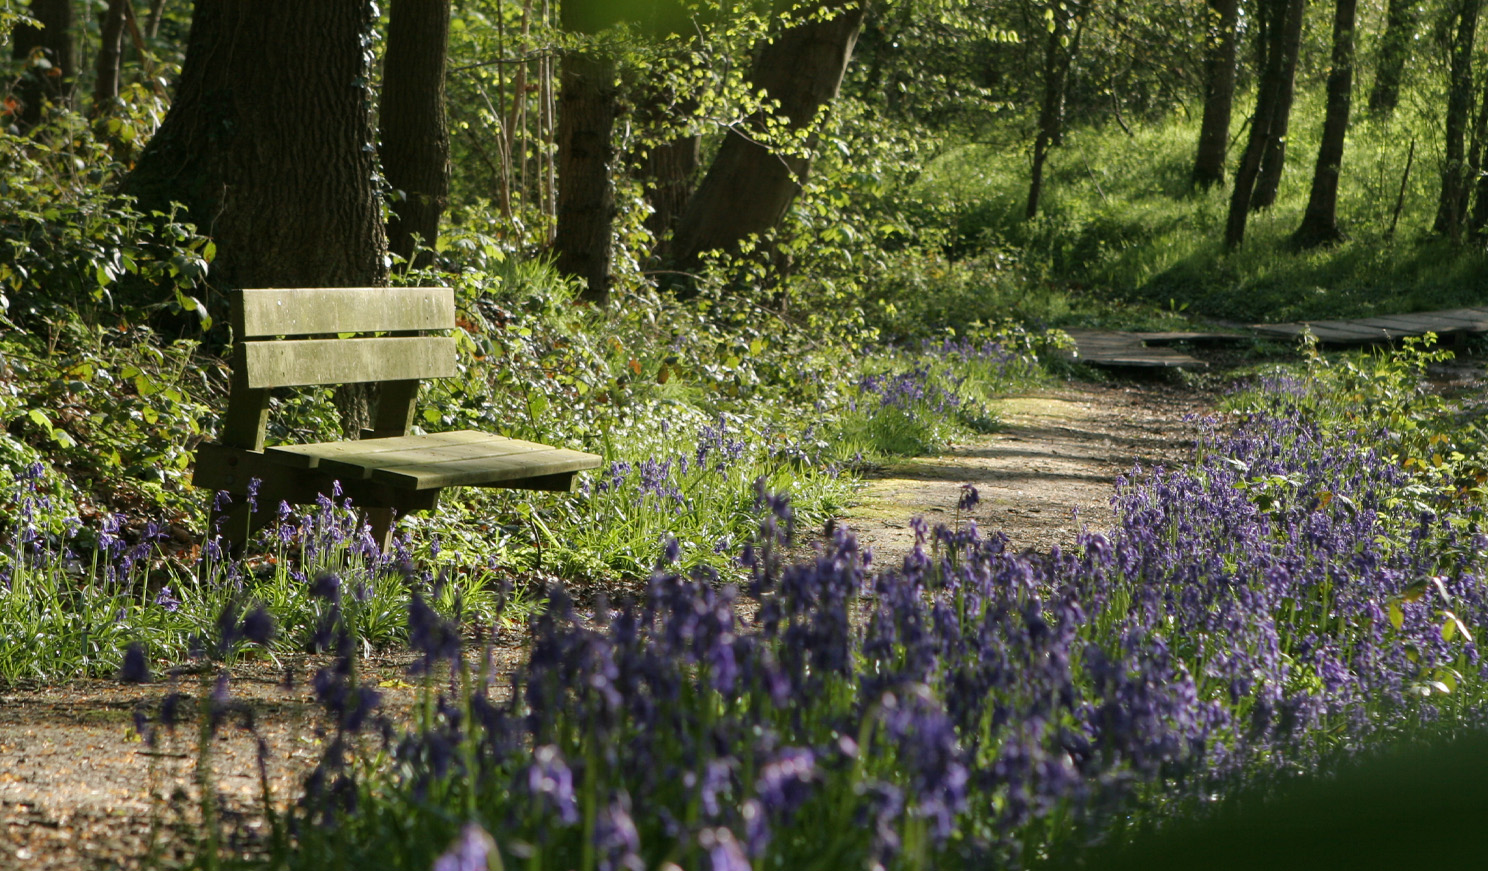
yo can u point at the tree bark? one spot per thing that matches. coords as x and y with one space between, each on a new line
667 170
1451 207
55 38
1057 57
152 23
1274 14
1273 159
1320 221
110 52
1219 93
413 133
1400 30
587 105
749 187
1479 216
268 145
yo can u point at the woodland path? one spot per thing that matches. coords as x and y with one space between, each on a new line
76 786
1049 473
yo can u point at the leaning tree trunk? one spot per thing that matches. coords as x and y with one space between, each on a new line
1273 159
1394 49
1275 14
55 37
749 187
110 53
268 145
1451 207
1051 109
1320 221
1219 93
413 133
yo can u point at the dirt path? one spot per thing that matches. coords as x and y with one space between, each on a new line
1048 474
79 791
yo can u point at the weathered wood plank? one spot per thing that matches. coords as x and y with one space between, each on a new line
264 312
1197 338
309 456
299 363
488 470
1116 349
362 466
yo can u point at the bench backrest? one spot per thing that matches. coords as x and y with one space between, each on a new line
291 338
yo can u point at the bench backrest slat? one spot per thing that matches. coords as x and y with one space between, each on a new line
263 313
299 363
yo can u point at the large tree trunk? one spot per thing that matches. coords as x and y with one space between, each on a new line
268 144
749 187
1057 56
110 52
53 83
1394 49
1453 203
413 133
1275 14
1320 221
587 104
1273 159
1219 93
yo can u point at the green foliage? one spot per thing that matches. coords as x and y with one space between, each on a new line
67 244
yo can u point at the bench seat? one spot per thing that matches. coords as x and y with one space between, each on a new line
465 458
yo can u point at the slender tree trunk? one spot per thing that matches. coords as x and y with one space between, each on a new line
587 105
53 81
412 128
1274 14
1219 93
1400 30
1479 217
1320 221
152 23
1051 109
749 187
666 159
110 52
1273 160
667 171
1451 207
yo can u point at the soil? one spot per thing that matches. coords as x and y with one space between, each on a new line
79 789
1046 476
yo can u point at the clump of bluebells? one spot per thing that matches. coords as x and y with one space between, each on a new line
972 707
77 601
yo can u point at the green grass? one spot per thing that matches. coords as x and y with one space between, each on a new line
1121 225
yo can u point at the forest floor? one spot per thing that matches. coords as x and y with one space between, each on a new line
80 790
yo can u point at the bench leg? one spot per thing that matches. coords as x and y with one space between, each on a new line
381 521
234 525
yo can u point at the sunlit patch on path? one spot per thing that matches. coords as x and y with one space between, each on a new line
1049 473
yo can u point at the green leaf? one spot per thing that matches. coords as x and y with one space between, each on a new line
1397 616
39 418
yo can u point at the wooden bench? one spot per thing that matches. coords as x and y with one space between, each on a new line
294 338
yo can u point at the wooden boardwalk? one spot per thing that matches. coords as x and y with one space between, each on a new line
1363 331
1115 349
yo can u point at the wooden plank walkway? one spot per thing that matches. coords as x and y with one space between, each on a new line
1146 350
1116 349
1363 331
